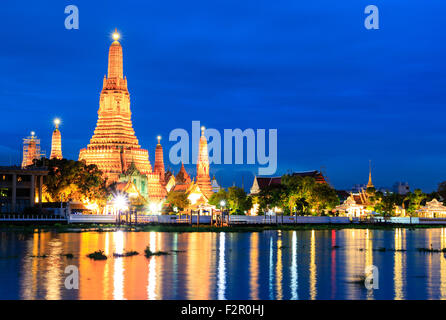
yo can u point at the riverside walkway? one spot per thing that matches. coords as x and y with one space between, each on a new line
209 220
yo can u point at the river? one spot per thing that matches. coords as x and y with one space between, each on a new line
313 264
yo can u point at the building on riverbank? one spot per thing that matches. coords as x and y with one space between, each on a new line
432 209
20 188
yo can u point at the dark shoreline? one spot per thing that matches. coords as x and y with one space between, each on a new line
74 228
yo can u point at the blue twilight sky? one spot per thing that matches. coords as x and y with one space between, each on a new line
338 94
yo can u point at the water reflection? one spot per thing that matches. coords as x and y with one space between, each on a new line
151 275
399 264
221 282
271 268
293 269
313 271
266 265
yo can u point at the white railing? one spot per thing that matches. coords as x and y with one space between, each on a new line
92 218
22 217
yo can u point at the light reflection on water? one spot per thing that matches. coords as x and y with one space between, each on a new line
325 264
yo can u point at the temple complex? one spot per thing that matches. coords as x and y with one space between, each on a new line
359 204
114 147
198 191
56 142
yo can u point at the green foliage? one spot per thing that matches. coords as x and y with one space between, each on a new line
304 194
178 199
385 203
70 179
238 201
272 196
216 198
414 199
323 197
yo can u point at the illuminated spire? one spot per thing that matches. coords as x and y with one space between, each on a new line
116 35
203 179
370 183
115 66
114 145
159 160
56 142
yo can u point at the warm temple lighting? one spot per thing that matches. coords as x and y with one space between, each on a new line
116 35
159 139
33 133
202 129
56 122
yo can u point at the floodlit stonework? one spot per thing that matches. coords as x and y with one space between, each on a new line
114 146
56 142
203 178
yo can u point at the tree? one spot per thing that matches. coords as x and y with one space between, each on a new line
386 203
238 201
323 197
304 193
272 196
178 199
414 198
298 193
73 180
442 190
216 198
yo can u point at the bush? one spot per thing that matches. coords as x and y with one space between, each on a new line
148 253
97 255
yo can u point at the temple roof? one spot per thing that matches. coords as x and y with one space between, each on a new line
183 176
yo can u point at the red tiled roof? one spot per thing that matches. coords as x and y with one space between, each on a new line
265 181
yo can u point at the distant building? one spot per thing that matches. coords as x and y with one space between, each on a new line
358 203
260 183
432 209
215 186
401 188
20 188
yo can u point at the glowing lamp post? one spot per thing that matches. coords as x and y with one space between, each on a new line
222 205
120 203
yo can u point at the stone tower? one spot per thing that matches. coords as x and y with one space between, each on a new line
203 178
159 161
114 145
56 142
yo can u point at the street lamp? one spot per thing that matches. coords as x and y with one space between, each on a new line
120 203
